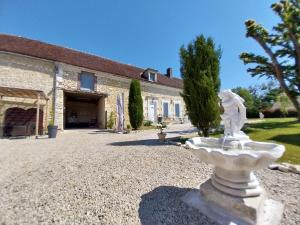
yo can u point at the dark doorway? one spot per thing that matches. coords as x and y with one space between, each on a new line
82 110
22 122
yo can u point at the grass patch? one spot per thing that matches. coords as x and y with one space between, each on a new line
151 127
285 131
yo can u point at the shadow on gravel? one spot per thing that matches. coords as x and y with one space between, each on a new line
101 132
163 205
149 142
190 131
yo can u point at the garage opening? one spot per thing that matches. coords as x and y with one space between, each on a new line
84 110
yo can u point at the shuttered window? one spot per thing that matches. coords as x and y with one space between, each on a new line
177 110
165 109
87 81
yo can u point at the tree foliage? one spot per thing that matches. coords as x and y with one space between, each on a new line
282 48
135 105
265 94
262 97
250 104
284 102
200 67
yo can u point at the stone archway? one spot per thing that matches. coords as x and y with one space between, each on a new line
16 116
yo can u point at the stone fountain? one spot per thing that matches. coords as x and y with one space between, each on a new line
233 194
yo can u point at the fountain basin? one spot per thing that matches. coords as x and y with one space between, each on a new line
250 155
234 166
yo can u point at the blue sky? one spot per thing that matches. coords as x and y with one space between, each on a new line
142 33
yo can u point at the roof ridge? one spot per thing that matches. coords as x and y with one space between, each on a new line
41 49
72 49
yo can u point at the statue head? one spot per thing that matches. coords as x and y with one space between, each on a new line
234 115
228 94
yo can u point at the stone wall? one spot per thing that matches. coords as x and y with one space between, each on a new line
18 71
113 85
26 72
30 73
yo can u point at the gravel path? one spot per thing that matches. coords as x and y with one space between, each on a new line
90 177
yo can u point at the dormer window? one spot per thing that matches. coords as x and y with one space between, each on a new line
152 76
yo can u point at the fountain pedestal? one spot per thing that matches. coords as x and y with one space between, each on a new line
226 209
239 183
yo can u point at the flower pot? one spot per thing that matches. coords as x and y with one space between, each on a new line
52 131
162 136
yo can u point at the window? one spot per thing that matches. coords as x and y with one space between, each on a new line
87 81
177 110
165 109
152 77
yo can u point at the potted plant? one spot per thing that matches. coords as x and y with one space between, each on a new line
52 129
161 135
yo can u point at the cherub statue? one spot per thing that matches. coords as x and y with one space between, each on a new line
234 115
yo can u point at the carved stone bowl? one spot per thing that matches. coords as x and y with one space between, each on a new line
235 162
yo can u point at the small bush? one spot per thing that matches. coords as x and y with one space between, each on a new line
292 113
147 123
112 120
252 114
277 113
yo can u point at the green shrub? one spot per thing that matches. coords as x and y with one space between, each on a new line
112 120
147 123
135 105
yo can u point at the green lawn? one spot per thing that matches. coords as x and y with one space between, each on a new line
284 131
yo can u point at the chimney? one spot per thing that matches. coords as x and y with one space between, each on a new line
169 72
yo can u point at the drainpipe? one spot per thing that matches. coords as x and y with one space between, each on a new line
57 83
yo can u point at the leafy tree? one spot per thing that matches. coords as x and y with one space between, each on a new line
252 109
284 103
269 98
265 95
200 67
135 105
282 48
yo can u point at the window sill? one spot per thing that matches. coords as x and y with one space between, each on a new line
86 90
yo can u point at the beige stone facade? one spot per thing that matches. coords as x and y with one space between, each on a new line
20 71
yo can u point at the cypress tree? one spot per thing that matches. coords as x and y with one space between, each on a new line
200 68
135 105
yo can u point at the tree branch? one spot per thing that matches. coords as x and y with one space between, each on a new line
278 69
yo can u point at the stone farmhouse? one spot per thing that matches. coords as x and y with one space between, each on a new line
74 89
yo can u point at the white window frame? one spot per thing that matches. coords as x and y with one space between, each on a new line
91 75
179 103
149 102
149 75
162 107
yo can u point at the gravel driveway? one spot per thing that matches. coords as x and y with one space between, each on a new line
95 177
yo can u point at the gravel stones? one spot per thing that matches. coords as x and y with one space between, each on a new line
90 177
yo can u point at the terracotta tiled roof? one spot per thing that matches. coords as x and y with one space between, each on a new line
43 50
